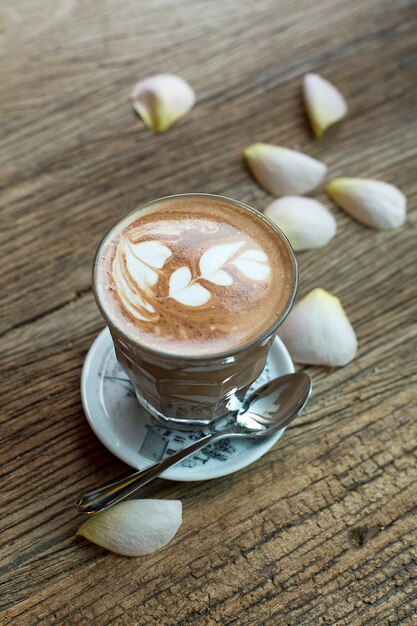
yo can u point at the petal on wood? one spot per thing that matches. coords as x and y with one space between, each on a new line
282 171
324 103
372 202
161 100
318 332
135 527
306 222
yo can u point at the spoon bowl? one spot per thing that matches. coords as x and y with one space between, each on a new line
273 405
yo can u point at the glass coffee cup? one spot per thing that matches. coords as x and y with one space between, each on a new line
191 352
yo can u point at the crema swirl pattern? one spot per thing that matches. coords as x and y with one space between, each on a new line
192 276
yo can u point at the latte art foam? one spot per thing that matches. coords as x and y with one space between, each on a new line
138 266
197 275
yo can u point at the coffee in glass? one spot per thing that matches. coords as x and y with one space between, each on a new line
193 288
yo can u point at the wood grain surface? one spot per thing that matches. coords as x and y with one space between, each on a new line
321 529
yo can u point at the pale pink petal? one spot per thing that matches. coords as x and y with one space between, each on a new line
161 100
135 527
306 222
372 202
324 103
282 171
318 332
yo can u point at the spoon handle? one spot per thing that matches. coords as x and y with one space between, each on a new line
100 499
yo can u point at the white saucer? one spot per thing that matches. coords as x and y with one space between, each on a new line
125 428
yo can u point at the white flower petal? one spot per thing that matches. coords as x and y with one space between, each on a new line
318 332
282 171
135 527
324 103
372 202
306 222
161 100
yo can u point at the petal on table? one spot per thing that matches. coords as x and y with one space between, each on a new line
135 527
324 103
306 222
318 332
282 171
372 202
161 100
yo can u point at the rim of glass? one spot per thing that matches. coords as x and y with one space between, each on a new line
211 356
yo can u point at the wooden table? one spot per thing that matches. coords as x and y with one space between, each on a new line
321 529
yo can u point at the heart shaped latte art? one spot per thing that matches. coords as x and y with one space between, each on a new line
253 264
138 267
184 291
135 272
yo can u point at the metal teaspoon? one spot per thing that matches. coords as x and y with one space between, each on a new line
269 408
